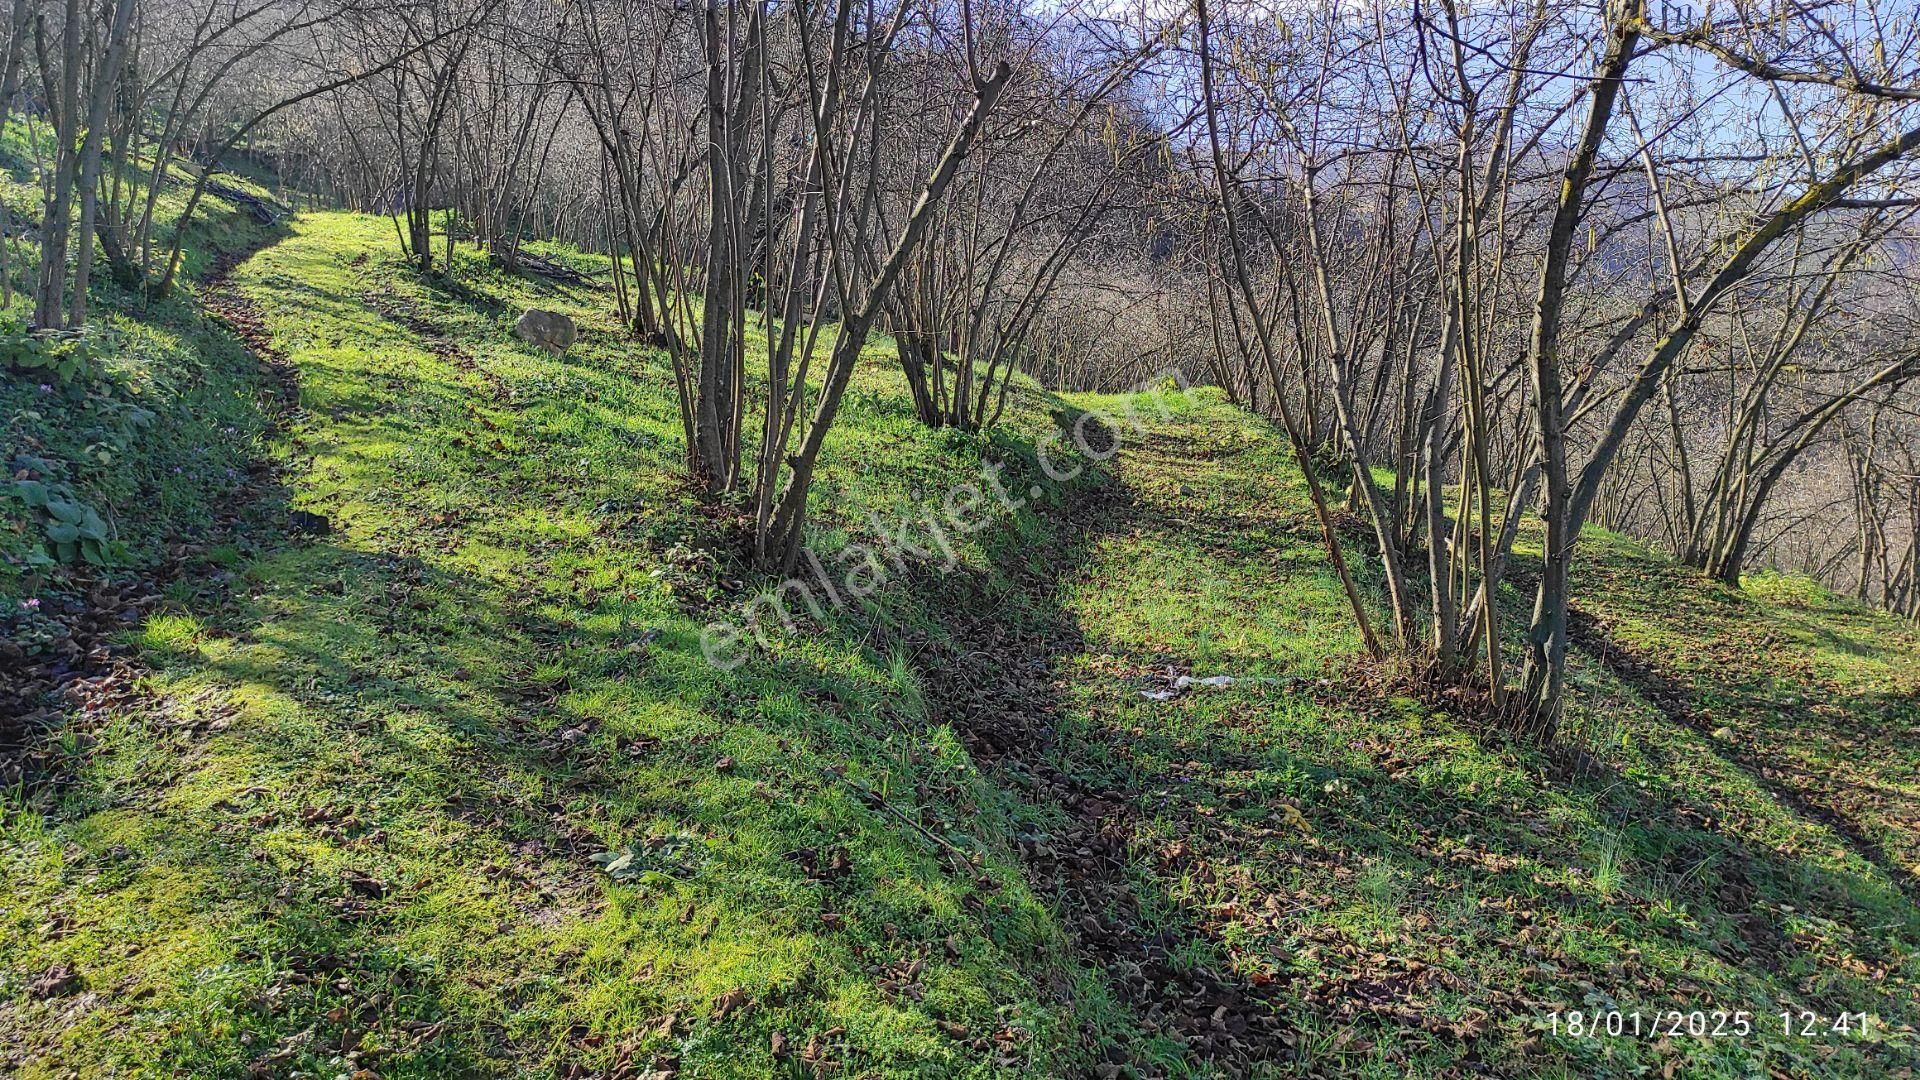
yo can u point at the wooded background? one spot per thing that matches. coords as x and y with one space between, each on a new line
1487 266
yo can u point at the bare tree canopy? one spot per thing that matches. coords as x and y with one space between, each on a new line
1649 268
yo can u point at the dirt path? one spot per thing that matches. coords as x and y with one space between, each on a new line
82 677
999 683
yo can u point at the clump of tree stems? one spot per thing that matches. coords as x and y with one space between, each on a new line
1481 250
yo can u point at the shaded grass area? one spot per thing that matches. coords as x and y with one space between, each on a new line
1419 895
156 432
127 456
451 789
1816 696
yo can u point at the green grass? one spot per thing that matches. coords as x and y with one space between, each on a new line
1434 893
451 790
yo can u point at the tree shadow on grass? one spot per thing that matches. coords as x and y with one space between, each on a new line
265 848
1804 791
359 757
992 646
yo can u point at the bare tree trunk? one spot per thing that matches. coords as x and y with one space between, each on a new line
1546 642
106 80
56 224
780 542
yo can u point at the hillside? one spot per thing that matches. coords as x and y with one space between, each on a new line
414 765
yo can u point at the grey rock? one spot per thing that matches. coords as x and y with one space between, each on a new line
550 330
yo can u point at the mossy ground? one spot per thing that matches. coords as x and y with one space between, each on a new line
365 814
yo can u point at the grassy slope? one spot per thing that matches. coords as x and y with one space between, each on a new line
360 813
449 695
1817 696
1439 893
161 436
